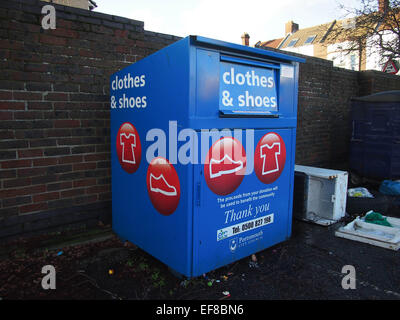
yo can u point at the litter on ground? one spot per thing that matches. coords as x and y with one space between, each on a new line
391 188
376 218
359 192
377 234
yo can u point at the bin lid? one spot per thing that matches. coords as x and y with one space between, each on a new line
222 45
385 96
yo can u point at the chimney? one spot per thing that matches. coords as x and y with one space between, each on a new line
291 27
383 5
245 39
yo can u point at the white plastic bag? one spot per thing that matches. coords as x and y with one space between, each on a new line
359 192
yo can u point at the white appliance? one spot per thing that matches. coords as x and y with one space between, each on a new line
319 194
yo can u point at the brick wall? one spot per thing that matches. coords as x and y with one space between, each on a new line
323 133
54 112
324 124
374 81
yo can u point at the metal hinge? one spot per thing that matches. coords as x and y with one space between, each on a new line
198 191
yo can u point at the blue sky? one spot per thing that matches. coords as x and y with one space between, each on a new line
226 19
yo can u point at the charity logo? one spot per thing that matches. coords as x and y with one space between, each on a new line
163 186
270 157
225 166
233 243
129 149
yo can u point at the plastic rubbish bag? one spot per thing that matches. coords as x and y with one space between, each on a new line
359 192
389 187
376 218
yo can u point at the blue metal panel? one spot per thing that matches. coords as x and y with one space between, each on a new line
162 109
252 201
250 62
167 238
226 46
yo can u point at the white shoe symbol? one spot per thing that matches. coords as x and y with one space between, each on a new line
160 185
215 166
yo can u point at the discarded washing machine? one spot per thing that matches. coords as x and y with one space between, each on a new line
203 145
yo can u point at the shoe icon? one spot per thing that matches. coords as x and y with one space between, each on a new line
160 185
224 166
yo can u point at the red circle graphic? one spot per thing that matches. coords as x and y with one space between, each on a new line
269 157
129 148
163 186
225 166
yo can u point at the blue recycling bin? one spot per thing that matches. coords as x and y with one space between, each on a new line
203 139
375 138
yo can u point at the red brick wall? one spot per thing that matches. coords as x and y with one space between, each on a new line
374 81
54 112
324 124
323 117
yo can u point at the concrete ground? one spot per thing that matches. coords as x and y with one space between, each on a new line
308 266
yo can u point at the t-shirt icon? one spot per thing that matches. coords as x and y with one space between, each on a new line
269 157
128 147
128 143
